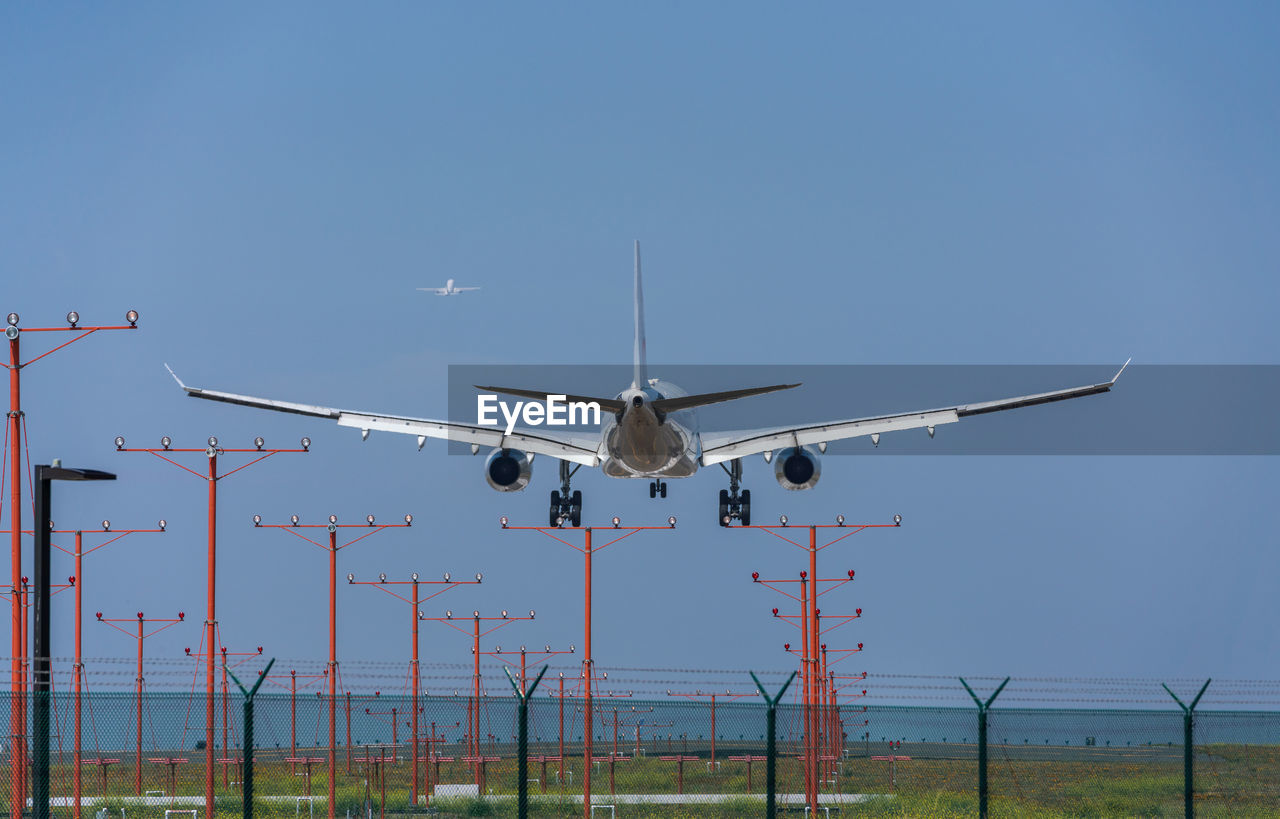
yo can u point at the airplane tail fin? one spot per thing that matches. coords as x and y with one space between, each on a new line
640 375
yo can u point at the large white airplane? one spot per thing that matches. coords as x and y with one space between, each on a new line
650 430
448 289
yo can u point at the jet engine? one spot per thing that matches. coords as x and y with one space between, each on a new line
508 470
797 468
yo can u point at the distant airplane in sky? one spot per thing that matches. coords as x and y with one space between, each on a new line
648 430
448 289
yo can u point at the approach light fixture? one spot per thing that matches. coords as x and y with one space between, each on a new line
11 332
351 578
414 577
333 518
475 614
755 577
165 442
448 614
306 443
839 520
408 520
293 519
119 441
559 521
530 614
106 526
726 520
12 319
369 518
671 521
257 520
73 318
504 614
162 523
503 520
479 577
497 649
546 648
897 520
382 578
572 649
616 521
132 318
51 528
213 441
259 442
782 519
446 577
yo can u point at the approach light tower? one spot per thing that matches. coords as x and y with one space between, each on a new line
14 437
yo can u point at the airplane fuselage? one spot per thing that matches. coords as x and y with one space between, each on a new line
643 444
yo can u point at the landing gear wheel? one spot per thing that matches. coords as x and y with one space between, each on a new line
662 488
653 489
566 504
744 512
734 505
555 508
722 516
575 508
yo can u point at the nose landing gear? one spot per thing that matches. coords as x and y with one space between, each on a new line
566 504
734 505
658 488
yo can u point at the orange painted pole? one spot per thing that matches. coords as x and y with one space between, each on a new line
474 727
211 633
17 719
805 694
587 671
561 729
814 684
137 764
413 669
333 669
77 669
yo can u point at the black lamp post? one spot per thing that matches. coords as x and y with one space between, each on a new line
42 674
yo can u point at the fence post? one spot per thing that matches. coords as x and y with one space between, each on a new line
1188 752
522 750
771 800
982 742
246 777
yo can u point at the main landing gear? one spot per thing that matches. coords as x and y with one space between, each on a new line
566 506
734 505
658 488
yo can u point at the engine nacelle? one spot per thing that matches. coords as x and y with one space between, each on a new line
508 470
797 468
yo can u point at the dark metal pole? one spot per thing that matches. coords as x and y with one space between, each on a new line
40 711
771 721
983 707
1188 748
43 679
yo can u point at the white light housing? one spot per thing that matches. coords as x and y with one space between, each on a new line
897 520
213 441
475 614
131 317
839 520
333 518
293 519
504 612
166 442
119 439
12 318
162 523
73 318
497 649
351 578
408 520
616 520
257 520
671 521
530 614
259 442
446 577
726 520
503 520
782 519
382 578
448 615
369 518
414 577
106 526
306 443
479 577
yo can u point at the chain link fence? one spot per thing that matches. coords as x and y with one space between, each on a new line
645 757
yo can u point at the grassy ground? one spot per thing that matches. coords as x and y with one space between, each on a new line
1232 780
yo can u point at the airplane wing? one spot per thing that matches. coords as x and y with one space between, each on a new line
718 447
439 291
575 448
464 289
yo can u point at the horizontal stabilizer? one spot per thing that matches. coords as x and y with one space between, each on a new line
608 404
684 402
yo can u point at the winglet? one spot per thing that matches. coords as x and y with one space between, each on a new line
176 378
1116 377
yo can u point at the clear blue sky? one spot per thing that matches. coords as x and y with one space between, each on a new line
999 183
